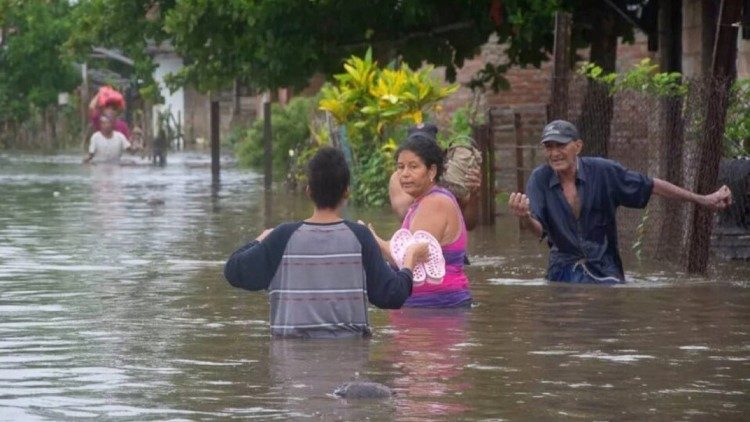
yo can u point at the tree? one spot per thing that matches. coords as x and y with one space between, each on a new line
598 25
270 44
128 25
277 43
33 66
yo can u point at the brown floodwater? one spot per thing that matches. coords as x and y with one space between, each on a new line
113 306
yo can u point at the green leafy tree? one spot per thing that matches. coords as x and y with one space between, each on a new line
277 43
130 26
33 65
737 133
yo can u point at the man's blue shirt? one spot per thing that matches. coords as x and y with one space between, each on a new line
585 249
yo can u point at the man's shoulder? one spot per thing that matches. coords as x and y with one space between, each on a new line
288 227
598 163
541 174
359 230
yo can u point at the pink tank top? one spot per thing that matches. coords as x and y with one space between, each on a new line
454 253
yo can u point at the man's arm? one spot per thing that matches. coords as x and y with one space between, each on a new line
470 206
93 103
253 266
91 150
716 201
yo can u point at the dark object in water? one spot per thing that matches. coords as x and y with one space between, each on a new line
155 201
363 390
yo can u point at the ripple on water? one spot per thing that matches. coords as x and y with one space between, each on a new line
622 358
517 282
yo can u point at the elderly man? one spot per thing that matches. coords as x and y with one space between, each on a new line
573 201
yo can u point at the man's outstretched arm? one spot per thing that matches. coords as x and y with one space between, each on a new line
716 201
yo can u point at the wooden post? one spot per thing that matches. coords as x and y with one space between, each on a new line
558 105
84 105
520 176
215 122
267 144
483 135
719 82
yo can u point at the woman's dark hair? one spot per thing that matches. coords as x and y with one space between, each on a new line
426 148
327 177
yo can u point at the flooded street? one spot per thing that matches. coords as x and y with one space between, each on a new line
113 306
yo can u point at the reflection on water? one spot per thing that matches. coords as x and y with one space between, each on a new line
428 347
112 305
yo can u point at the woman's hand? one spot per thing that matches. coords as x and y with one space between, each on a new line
416 253
474 180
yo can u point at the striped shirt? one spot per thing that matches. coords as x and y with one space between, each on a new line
319 278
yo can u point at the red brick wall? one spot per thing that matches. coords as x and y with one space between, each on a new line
529 88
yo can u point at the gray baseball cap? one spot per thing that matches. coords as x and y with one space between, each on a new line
561 131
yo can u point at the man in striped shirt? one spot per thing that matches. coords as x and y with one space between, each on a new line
321 272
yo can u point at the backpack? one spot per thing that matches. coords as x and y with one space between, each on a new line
460 161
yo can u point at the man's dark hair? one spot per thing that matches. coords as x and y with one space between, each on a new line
425 148
327 177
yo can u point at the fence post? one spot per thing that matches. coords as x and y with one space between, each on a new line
520 176
483 135
268 167
215 145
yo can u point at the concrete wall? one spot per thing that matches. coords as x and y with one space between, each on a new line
743 57
174 101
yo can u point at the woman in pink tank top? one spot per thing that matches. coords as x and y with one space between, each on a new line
436 211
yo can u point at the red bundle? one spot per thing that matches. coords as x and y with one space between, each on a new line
109 97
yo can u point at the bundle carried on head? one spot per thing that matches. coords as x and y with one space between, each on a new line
109 97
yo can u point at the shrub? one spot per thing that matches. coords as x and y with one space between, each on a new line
290 132
375 105
737 130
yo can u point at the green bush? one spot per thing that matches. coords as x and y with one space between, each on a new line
290 132
372 177
643 77
375 105
737 130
